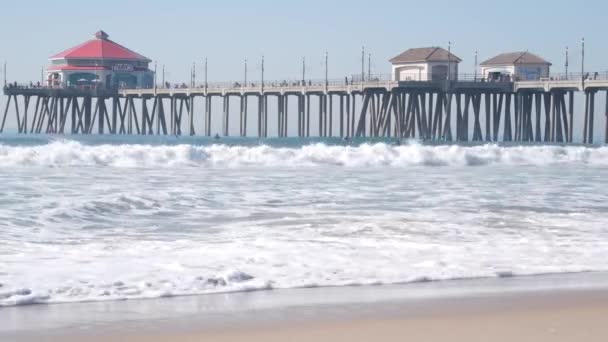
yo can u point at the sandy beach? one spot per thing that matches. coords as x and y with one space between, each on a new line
574 318
547 308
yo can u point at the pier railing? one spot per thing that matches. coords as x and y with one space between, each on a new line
380 80
286 83
353 82
577 76
36 89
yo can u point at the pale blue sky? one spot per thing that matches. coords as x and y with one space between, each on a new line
178 32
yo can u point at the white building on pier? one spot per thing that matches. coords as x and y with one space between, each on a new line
425 64
515 66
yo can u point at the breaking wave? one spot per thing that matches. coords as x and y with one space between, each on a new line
71 153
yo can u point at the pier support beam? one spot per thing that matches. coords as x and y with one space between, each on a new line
517 116
190 106
226 116
465 117
300 103
321 116
571 116
488 104
348 115
243 116
554 115
341 110
591 130
588 128
22 125
477 136
102 113
353 118
8 104
497 103
538 112
161 122
331 115
508 128
606 123
586 118
447 131
285 121
367 97
565 125
280 115
547 103
147 121
208 102
265 122
459 118
307 120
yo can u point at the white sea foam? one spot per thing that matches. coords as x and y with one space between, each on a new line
70 153
83 222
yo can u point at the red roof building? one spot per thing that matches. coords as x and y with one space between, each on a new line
100 62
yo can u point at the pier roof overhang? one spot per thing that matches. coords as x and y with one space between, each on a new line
101 47
428 54
511 58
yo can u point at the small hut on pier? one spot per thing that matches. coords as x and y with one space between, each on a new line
515 66
99 63
425 64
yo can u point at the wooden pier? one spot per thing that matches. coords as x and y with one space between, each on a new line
458 110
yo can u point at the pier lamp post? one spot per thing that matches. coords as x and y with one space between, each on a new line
206 80
193 80
262 73
155 76
566 65
583 62
164 76
245 82
326 70
449 61
362 64
304 71
369 67
475 70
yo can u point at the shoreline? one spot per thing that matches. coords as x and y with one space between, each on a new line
266 312
595 275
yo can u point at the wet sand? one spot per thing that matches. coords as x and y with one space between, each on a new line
492 310
574 319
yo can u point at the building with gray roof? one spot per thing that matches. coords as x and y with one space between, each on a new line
515 66
425 64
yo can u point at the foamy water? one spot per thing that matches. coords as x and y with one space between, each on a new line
71 153
94 220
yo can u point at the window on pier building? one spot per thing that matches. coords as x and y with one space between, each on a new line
82 79
124 80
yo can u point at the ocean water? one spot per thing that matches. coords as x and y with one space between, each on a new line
108 218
